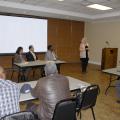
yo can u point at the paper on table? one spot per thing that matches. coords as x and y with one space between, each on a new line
82 87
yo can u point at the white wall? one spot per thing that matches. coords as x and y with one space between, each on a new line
99 32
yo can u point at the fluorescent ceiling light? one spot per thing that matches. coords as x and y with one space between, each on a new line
60 0
99 7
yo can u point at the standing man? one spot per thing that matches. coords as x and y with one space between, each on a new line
50 54
31 56
84 54
9 95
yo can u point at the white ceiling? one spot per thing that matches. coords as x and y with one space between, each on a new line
68 9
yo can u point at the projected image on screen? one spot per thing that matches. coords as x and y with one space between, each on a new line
19 31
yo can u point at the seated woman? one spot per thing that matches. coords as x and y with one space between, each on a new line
20 58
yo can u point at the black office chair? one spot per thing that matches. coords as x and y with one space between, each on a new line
20 116
65 110
87 99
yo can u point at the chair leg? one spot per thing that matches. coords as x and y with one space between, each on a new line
12 75
19 77
93 113
42 72
80 114
33 74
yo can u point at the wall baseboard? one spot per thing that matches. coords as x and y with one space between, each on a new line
93 62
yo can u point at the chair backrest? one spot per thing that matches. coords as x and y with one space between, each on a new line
20 116
65 110
89 97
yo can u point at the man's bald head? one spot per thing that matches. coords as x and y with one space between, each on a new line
50 68
2 73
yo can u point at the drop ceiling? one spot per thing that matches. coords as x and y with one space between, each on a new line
68 9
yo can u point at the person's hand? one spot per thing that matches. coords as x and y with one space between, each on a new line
87 48
25 62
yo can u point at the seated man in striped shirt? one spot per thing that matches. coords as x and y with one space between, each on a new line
9 95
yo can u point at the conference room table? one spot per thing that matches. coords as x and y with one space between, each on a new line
73 84
112 72
36 64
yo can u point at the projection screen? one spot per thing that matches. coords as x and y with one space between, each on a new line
21 31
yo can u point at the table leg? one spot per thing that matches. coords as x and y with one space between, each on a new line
21 75
42 72
110 81
58 68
